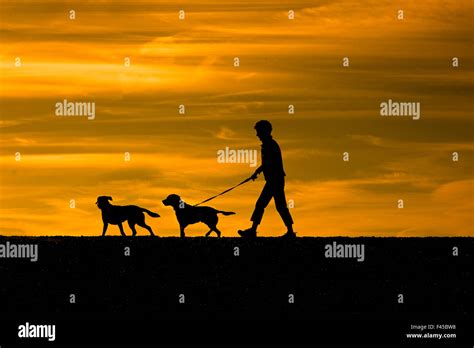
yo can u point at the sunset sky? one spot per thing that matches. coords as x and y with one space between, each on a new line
282 62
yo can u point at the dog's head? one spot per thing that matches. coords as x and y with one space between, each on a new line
103 201
172 200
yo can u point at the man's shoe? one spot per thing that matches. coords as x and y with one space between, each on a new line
289 235
248 233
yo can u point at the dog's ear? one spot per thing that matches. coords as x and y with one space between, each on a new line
109 198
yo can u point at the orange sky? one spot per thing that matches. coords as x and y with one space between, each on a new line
282 62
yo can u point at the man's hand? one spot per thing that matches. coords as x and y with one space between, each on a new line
257 172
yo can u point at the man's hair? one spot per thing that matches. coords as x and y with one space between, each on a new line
263 126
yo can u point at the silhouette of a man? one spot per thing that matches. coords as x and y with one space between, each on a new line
272 168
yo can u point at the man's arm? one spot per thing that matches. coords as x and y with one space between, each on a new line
257 172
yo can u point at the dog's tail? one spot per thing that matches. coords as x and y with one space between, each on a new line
225 212
152 214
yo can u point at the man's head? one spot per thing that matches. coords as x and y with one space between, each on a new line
264 129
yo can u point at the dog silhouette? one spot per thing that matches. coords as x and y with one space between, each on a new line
116 214
188 214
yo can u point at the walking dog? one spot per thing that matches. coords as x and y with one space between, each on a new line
116 214
187 214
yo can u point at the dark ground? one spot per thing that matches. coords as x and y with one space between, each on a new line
254 285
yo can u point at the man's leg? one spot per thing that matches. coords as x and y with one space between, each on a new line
262 202
282 207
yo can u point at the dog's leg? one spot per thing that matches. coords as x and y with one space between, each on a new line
213 227
217 231
132 227
144 225
105 229
121 229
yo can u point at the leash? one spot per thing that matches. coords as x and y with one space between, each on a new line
220 194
